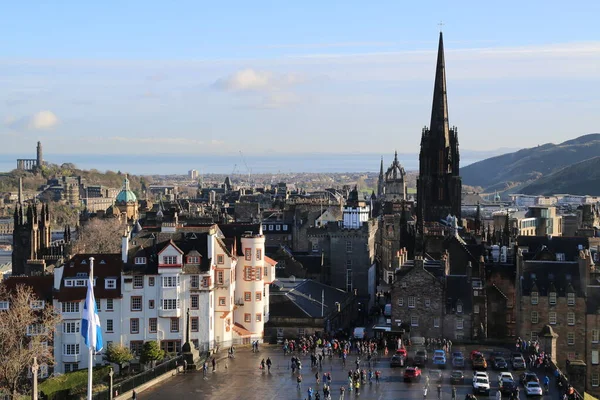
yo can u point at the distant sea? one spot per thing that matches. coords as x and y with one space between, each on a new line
166 164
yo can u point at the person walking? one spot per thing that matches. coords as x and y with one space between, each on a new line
498 395
425 393
214 365
342 390
299 382
310 393
269 364
453 392
133 395
204 369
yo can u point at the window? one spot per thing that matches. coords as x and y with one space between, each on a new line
570 338
348 246
36 304
170 281
110 283
151 304
194 324
170 304
247 296
571 299
248 254
534 335
414 321
535 318
248 273
258 296
476 309
266 271
170 260
5 305
258 254
348 279
136 303
477 284
552 298
80 282
150 281
171 346
71 327
206 281
247 318
401 302
436 322
140 260
552 318
270 227
285 227
70 367
109 305
135 346
258 317
195 281
427 302
174 324
193 260
595 335
595 380
68 282
571 318
194 300
535 298
71 349
70 306
222 301
258 274
220 277
459 323
459 308
134 325
153 325
98 305
109 325
411 301
220 259
138 281
594 357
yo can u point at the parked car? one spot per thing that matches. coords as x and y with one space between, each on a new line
479 362
529 377
533 389
496 354
439 353
475 353
412 374
439 361
517 361
500 364
422 353
402 351
507 387
397 361
457 354
457 377
481 384
420 359
458 362
481 373
505 376
435 375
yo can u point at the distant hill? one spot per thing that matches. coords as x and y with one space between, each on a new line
581 178
521 171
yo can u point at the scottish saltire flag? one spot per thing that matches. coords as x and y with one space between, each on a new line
90 323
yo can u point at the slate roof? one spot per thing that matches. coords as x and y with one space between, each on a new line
458 288
301 298
41 285
235 231
105 266
547 276
312 263
559 244
434 267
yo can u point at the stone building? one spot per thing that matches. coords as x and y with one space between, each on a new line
592 339
500 296
126 201
418 298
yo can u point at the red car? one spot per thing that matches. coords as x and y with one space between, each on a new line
401 352
412 374
475 353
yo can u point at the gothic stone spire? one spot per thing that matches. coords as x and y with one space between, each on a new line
439 110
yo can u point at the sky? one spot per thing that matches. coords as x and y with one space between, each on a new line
210 77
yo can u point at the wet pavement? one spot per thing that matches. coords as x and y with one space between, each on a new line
241 378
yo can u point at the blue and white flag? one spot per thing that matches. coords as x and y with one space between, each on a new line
90 323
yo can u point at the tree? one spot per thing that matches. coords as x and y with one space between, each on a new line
24 333
100 236
118 354
151 352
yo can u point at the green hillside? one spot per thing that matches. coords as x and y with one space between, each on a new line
580 179
513 171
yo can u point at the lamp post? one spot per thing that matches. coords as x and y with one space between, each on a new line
110 383
34 371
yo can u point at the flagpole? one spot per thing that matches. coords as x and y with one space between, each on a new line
91 345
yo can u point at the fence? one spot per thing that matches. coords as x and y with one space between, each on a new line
140 379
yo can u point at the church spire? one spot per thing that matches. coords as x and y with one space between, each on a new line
380 181
439 110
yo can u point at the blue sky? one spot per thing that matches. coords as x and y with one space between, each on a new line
263 77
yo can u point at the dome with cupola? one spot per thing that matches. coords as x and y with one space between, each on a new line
126 195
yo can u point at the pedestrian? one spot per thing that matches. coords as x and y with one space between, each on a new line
133 395
269 364
425 392
204 369
498 395
453 392
262 364
298 381
214 365
342 390
184 366
310 393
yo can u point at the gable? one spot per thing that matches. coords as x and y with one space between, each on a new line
170 250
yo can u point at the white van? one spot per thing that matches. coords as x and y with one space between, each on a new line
360 333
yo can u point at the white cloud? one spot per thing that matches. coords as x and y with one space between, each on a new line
42 120
251 80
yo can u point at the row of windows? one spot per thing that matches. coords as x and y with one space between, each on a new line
274 227
248 254
570 338
459 323
247 297
248 317
535 298
254 274
535 318
74 306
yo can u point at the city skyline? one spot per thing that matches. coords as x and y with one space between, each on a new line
325 78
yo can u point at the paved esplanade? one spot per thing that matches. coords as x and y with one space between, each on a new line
243 379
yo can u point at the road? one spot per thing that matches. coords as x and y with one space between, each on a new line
241 378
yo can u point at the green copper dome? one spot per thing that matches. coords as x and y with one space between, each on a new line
126 195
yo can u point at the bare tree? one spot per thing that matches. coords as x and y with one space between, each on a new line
100 236
26 331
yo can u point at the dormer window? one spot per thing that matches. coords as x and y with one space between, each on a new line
535 298
571 299
110 283
560 256
170 260
193 260
36 304
140 261
552 298
459 308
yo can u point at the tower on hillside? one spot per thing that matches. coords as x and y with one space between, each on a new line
40 156
439 184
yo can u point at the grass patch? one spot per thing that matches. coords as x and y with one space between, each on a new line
73 380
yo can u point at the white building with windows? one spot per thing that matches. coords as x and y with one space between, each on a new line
145 293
